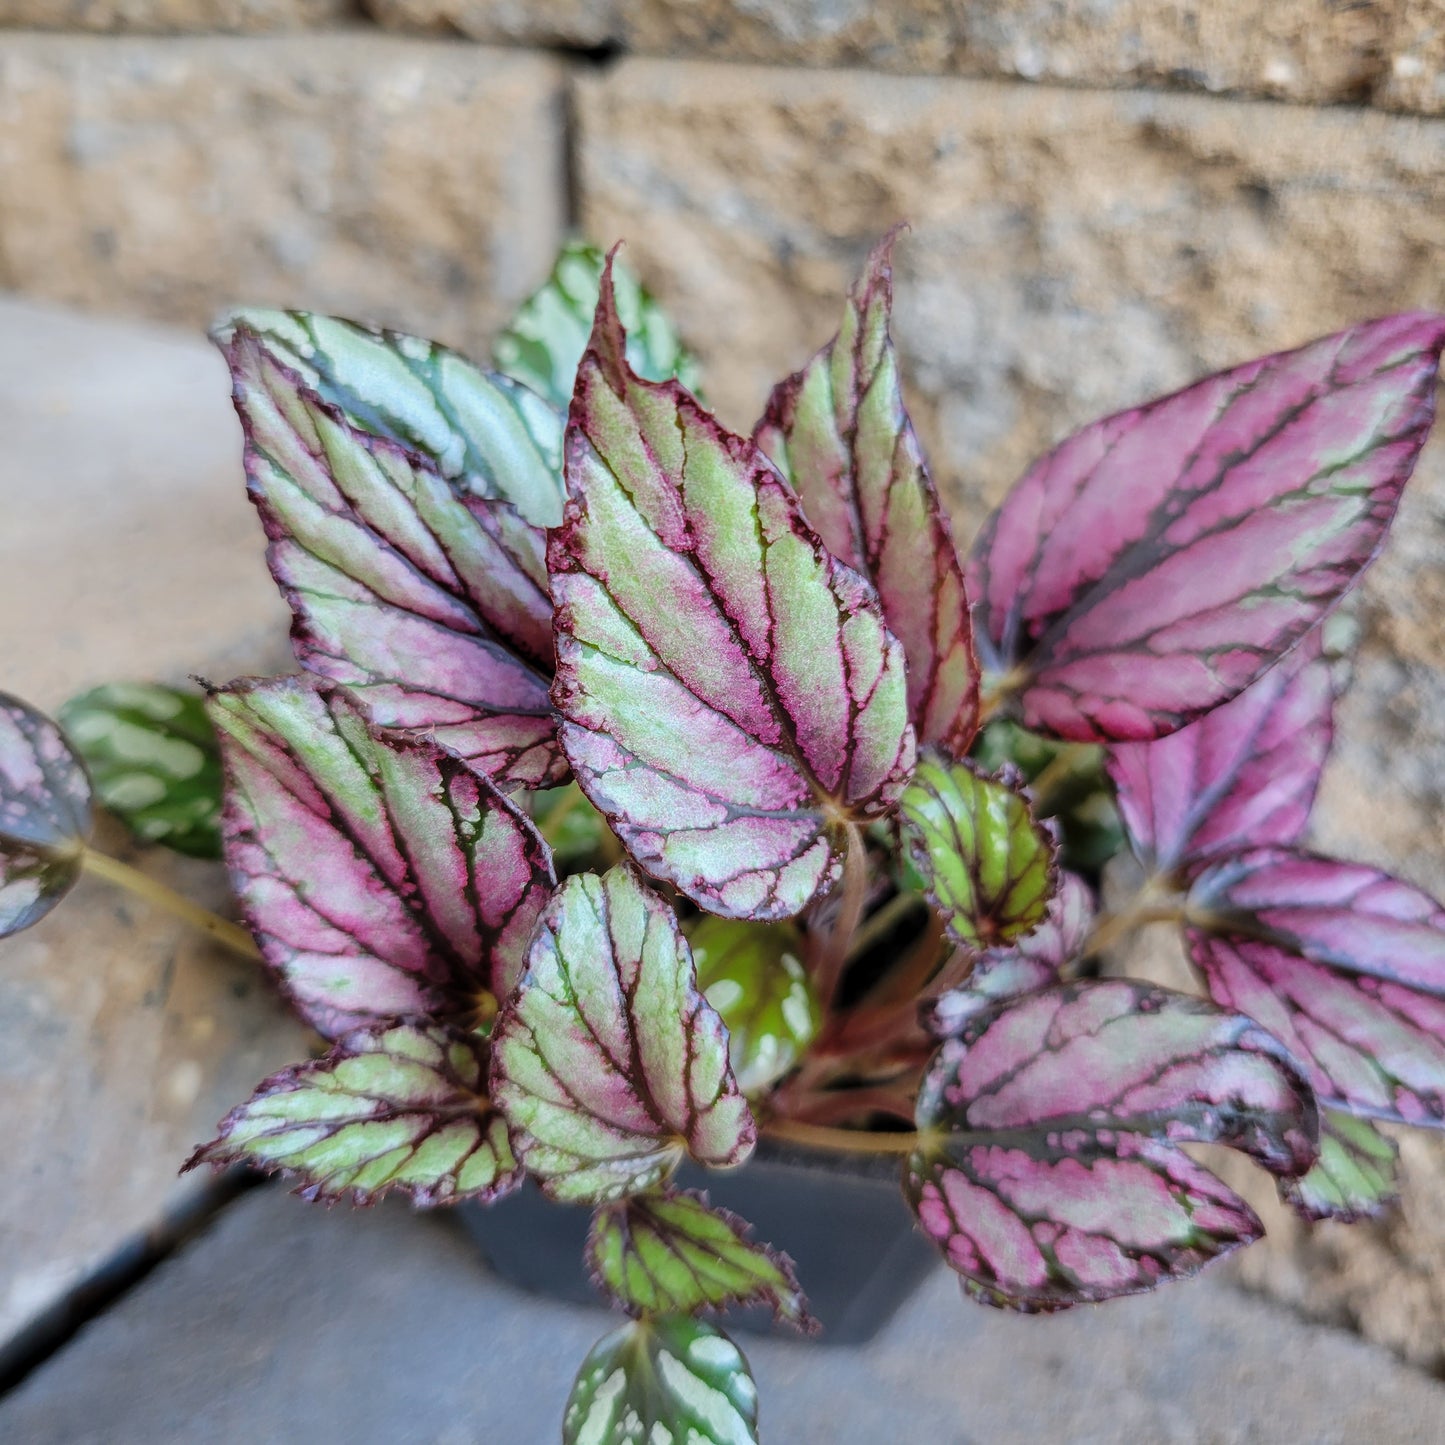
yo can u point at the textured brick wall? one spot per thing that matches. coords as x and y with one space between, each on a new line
1106 199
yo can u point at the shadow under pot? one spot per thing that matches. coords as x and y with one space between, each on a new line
842 1219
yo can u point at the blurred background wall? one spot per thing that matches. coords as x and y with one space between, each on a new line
1106 198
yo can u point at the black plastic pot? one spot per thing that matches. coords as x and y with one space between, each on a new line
842 1218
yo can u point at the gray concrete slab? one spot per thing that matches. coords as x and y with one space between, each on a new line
286 1324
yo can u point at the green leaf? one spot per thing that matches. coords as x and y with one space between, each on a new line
988 866
607 1061
669 1381
486 433
399 1108
1357 1176
752 974
543 346
668 1252
154 760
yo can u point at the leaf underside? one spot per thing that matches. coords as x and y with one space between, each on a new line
607 1061
839 432
987 864
401 1108
44 815
1049 1174
382 877
1357 1176
432 608
1242 776
668 1381
668 1252
730 696
1157 562
154 760
1345 965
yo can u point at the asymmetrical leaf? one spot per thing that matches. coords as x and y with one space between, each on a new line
44 815
432 609
489 435
399 1108
668 1381
543 346
1241 776
1345 965
1049 1173
752 974
1357 1176
668 1252
987 865
607 1061
730 696
1157 562
839 432
382 877
154 760
1026 966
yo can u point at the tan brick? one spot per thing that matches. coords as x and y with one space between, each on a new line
175 16
1071 254
396 179
129 551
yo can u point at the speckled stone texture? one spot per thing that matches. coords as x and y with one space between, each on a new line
173 16
403 181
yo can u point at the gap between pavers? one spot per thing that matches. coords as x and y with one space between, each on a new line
290 1323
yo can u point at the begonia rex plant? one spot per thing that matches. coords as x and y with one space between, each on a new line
650 788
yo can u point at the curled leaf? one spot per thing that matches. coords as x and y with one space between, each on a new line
543 345
1157 562
432 609
154 761
839 432
44 815
489 435
730 696
986 863
1357 1175
1049 1172
607 1061
669 1252
1241 776
401 1108
752 974
1341 962
655 1381
381 876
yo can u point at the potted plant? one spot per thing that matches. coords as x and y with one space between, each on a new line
651 790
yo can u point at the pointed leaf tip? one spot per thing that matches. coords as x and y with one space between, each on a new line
403 1108
607 1061
730 696
382 876
1156 563
839 431
45 815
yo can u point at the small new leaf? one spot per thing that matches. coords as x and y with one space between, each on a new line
383 877
669 1381
1049 1172
730 696
489 435
1159 561
1357 1176
607 1061
402 1108
752 974
543 346
839 432
44 815
154 760
987 864
667 1252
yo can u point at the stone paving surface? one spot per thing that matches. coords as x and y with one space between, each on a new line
291 1326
